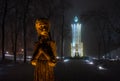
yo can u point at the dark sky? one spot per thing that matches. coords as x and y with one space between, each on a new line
81 6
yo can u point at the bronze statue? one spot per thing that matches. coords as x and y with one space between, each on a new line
44 57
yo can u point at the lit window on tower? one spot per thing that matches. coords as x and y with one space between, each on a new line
76 45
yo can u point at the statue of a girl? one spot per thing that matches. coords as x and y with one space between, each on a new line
44 57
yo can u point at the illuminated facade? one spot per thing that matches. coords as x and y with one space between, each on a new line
76 45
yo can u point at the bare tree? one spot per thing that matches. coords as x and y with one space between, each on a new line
26 7
14 35
4 12
104 28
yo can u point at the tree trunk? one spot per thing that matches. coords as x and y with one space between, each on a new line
24 26
3 28
16 36
62 42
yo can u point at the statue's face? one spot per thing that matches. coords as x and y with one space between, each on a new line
42 28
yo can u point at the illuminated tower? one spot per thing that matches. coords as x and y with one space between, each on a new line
76 45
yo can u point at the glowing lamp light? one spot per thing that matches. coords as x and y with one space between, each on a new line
101 68
22 49
66 60
58 57
91 63
7 52
29 57
76 19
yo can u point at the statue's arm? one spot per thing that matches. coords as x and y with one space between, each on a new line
36 51
53 47
36 54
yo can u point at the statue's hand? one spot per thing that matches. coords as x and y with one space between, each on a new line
52 63
33 62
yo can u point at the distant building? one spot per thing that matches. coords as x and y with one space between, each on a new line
76 45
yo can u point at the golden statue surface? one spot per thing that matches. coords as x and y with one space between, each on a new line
44 56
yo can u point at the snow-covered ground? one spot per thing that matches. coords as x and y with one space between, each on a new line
18 57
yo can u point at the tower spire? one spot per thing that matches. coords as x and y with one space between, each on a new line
76 45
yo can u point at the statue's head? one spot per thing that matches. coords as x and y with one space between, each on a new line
42 26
